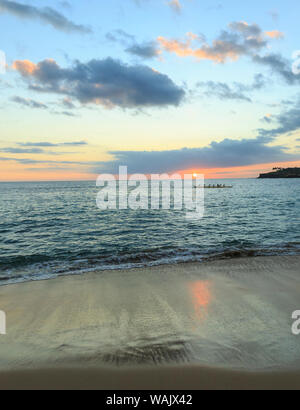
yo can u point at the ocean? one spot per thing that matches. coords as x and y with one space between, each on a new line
48 229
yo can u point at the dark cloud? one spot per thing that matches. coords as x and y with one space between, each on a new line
224 154
227 153
278 65
46 14
27 102
146 50
108 82
237 91
259 82
288 121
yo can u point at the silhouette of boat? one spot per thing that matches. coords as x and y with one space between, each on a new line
218 186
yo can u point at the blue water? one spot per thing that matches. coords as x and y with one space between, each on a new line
54 228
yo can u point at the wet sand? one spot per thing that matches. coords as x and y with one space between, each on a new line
223 324
159 378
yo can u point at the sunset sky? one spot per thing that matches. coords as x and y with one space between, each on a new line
157 85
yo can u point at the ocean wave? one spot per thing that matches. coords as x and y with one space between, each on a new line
42 267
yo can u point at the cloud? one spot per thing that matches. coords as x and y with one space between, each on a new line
46 14
267 118
274 34
10 150
175 5
240 39
237 91
67 102
224 154
65 113
146 50
50 144
22 150
288 121
76 143
50 169
27 102
227 153
120 36
223 91
248 31
107 82
25 67
278 65
38 147
28 161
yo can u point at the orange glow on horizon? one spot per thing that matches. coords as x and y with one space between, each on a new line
18 172
249 171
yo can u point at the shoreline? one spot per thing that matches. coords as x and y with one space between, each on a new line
224 321
227 255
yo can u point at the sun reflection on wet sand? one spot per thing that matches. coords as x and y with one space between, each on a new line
200 291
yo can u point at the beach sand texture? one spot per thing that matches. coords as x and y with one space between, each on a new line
223 324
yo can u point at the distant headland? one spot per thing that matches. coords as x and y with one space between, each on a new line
282 173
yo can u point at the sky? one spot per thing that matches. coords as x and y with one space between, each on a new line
159 86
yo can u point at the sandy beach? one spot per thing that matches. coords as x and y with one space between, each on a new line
222 324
